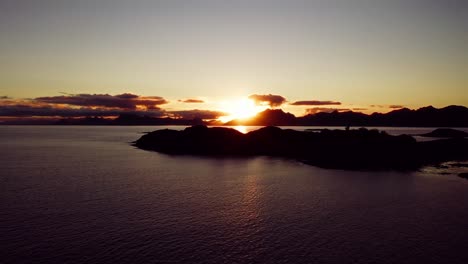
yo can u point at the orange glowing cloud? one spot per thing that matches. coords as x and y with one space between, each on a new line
122 101
271 100
192 101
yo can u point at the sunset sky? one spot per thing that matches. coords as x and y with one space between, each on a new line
174 56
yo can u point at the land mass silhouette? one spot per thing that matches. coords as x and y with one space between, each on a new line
450 116
355 149
445 133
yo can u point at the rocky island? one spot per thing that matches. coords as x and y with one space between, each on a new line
356 149
446 133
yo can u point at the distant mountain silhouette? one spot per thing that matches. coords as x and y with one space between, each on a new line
129 119
450 116
269 117
340 149
122 120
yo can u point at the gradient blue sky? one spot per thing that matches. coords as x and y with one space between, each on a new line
360 53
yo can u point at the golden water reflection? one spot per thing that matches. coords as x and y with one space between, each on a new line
246 216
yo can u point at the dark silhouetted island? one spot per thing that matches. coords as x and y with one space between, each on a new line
446 133
355 149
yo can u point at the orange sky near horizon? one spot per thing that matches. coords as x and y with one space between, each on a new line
111 106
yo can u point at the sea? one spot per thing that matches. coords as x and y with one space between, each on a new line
84 194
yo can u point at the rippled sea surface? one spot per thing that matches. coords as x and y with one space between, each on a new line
84 194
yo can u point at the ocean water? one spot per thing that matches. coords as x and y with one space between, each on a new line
84 194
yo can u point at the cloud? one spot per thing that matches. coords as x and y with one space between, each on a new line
316 103
268 99
30 110
192 101
4 97
122 101
192 114
315 110
396 106
99 105
127 96
359 109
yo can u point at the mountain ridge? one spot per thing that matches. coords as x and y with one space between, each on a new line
428 116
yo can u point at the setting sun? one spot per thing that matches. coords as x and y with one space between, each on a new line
239 109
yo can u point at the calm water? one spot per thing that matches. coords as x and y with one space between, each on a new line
83 194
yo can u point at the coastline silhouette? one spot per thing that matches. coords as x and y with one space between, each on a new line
354 149
450 116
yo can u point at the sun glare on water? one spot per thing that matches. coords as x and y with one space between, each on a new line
239 109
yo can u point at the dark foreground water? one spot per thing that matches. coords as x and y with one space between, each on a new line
83 194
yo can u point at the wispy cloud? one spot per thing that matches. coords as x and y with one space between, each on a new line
396 106
315 110
359 109
191 101
314 102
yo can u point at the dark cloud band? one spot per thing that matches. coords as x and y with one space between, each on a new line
122 101
316 103
192 101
